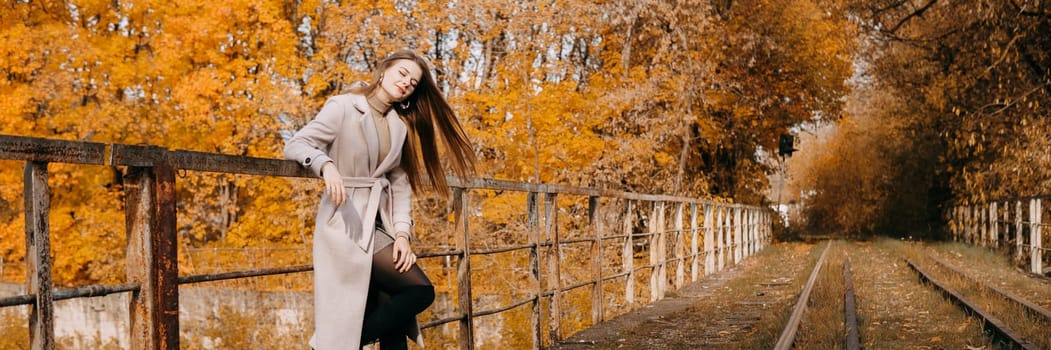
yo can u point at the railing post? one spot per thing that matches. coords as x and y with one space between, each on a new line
750 232
738 227
1018 231
720 237
746 217
463 271
654 248
38 256
983 224
554 258
994 230
755 231
709 239
1035 249
152 256
594 215
680 265
976 220
534 264
628 256
662 251
1006 221
956 224
766 226
694 263
950 218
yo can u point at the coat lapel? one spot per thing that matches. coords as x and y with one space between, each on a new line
371 140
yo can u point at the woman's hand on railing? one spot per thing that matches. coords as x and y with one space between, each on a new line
334 183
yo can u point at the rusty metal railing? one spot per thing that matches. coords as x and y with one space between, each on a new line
727 234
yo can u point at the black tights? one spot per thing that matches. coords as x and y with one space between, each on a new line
395 299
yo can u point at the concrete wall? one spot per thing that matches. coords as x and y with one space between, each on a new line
204 313
86 322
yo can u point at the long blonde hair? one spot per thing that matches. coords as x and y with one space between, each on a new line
424 109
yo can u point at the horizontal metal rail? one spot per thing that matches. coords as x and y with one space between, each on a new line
505 308
998 328
72 293
578 285
442 321
243 274
503 249
456 253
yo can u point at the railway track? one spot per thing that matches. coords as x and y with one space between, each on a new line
1003 332
1029 328
851 339
892 295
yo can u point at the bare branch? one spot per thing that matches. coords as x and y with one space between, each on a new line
916 13
1024 12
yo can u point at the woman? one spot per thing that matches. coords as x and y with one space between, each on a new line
367 145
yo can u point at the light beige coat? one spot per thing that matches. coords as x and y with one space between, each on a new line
344 133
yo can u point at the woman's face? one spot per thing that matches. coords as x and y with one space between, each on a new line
399 81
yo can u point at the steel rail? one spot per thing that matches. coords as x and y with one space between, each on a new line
998 328
788 335
850 309
1030 307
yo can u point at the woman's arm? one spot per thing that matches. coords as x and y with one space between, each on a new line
401 190
310 144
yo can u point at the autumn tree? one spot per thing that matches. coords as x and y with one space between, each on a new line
682 97
962 95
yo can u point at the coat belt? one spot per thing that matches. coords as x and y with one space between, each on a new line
377 186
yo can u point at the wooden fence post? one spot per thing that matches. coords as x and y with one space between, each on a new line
1018 231
746 219
738 231
983 223
463 270
628 256
722 239
152 256
694 264
709 239
554 259
994 223
533 229
38 256
954 223
1006 222
757 220
680 265
979 231
1035 249
719 238
594 215
655 257
753 231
